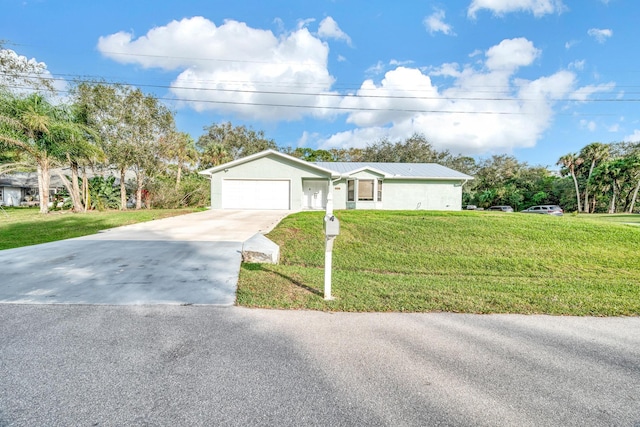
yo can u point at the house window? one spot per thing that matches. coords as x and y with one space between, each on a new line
365 190
1 194
379 190
351 195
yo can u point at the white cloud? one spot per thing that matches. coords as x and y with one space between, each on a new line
329 29
357 138
501 7
27 73
486 109
577 65
303 23
511 54
307 139
377 68
634 137
568 45
601 35
232 67
435 23
584 93
447 70
588 124
380 67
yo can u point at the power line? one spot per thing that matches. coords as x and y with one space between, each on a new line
338 108
343 96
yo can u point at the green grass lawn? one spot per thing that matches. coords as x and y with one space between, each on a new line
26 226
472 262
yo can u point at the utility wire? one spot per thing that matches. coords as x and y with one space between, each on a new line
339 95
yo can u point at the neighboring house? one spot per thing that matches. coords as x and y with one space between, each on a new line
21 189
272 180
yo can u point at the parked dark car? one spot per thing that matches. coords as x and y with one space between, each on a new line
501 208
545 209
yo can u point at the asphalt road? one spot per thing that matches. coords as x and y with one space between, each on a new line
170 365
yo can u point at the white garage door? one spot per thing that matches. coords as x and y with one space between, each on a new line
255 194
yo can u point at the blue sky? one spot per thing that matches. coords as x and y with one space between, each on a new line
532 78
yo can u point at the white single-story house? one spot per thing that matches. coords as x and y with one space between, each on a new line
273 180
21 189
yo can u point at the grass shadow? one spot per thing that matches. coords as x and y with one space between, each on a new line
261 267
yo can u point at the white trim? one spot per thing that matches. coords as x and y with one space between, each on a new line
366 168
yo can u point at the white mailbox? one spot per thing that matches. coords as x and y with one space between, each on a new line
331 226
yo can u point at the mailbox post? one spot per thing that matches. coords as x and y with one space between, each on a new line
331 230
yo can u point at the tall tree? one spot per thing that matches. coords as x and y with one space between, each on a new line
180 149
213 154
44 133
26 125
78 150
236 141
635 176
415 149
593 153
104 107
131 124
609 176
149 122
570 162
18 74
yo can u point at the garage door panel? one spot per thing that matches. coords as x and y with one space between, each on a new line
255 194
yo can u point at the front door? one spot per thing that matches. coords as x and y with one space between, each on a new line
315 194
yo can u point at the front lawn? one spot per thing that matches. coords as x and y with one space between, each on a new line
26 226
472 262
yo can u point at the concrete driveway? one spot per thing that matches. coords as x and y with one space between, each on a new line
189 259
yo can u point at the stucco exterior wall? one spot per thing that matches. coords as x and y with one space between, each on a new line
404 195
266 168
422 195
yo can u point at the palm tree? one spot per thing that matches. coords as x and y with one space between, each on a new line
77 148
180 148
44 134
609 176
570 162
596 152
214 155
26 125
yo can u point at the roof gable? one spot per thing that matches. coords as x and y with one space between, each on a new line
266 153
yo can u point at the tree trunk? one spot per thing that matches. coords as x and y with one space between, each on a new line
69 186
612 206
139 198
43 185
139 180
85 189
586 188
72 187
635 197
123 191
78 206
179 175
575 181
